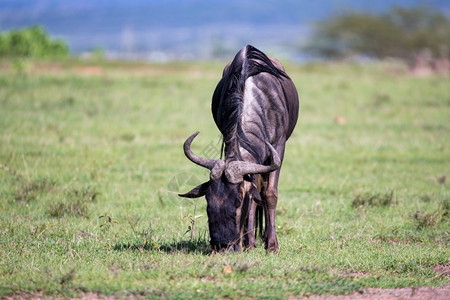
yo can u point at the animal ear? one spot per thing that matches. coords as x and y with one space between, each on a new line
196 192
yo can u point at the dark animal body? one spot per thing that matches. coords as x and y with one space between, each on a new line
255 106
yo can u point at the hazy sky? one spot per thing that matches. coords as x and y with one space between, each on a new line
190 28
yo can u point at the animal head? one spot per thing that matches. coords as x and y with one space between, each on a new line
228 194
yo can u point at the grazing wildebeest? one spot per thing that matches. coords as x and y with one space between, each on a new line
255 106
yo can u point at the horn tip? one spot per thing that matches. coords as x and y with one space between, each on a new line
275 156
194 135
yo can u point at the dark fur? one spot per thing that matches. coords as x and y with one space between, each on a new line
222 219
226 112
270 118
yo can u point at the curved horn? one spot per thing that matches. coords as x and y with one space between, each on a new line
236 170
215 165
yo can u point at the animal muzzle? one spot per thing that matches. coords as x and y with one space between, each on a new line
224 240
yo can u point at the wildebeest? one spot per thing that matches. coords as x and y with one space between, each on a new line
255 107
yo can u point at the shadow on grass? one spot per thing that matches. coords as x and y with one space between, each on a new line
199 247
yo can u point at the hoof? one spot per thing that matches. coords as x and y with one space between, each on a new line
272 250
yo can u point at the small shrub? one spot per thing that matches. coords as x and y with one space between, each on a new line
374 200
445 207
76 208
75 203
28 191
381 99
431 219
86 194
425 198
31 42
127 137
425 219
107 222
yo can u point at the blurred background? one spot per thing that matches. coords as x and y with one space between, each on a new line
163 31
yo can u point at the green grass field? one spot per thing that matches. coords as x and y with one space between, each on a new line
91 160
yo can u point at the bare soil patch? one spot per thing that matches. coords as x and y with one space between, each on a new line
410 293
89 70
414 293
443 269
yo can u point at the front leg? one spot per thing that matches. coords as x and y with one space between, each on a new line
270 204
253 192
270 196
251 241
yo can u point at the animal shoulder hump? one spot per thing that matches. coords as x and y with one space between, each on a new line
276 63
227 67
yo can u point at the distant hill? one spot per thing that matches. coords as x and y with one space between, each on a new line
191 29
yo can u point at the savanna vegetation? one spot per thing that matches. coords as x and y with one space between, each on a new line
91 161
31 42
401 33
